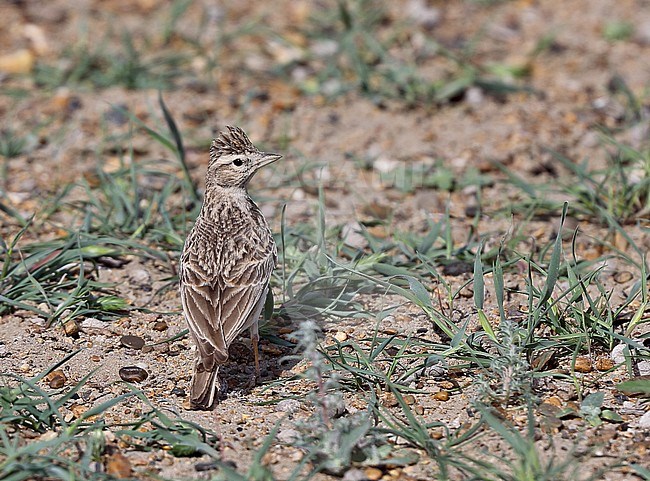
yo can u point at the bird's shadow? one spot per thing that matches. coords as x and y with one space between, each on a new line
277 355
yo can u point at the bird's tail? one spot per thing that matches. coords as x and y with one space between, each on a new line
204 387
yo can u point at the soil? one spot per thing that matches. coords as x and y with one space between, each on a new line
354 140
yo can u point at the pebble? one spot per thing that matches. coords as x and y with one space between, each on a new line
205 466
409 399
389 400
139 276
324 48
420 12
177 391
553 401
341 336
20 61
288 405
458 268
160 326
622 277
373 474
70 327
644 421
56 379
288 436
352 236
583 364
116 114
133 374
446 385
644 368
92 323
617 353
474 95
78 410
441 396
37 39
354 475
419 409
118 466
604 364
132 342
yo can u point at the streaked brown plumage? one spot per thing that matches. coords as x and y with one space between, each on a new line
227 260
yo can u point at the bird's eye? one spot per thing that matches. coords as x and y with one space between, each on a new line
238 162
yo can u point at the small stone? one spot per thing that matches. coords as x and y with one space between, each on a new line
622 277
441 396
70 327
132 342
92 323
270 349
389 400
56 379
139 276
133 374
617 355
48 436
351 233
24 368
457 268
474 95
341 336
205 466
409 399
419 409
118 466
177 391
644 368
95 358
20 61
78 410
160 326
36 36
373 474
420 12
466 292
583 364
604 364
288 436
288 405
270 458
354 475
554 401
644 421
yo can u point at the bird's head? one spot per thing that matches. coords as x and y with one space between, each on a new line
234 159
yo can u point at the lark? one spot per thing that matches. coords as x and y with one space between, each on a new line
227 261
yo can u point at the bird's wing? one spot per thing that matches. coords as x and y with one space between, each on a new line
217 311
246 285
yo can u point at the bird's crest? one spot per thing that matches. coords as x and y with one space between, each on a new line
235 141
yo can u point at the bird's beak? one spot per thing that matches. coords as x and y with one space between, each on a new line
267 159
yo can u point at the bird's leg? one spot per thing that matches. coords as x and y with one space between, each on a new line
255 339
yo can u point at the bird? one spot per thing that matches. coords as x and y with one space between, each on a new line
226 262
